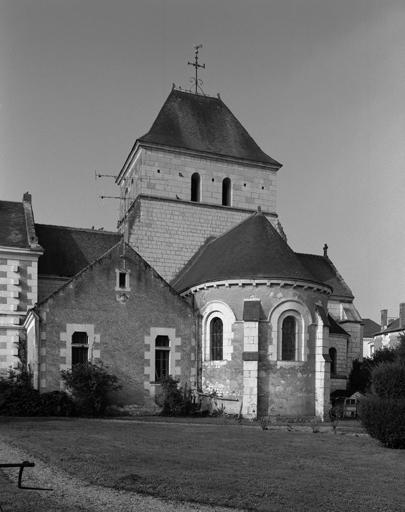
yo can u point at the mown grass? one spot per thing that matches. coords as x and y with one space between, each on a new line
227 465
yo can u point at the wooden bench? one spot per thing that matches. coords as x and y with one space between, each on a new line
21 465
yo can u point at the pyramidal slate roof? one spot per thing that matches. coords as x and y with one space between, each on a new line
204 124
251 250
67 250
13 228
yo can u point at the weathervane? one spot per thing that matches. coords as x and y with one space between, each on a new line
195 80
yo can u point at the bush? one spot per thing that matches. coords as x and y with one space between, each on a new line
91 386
384 419
19 398
56 403
360 374
174 400
383 412
389 380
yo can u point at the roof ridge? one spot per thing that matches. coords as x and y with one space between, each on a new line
72 228
82 271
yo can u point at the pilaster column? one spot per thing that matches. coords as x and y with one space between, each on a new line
250 356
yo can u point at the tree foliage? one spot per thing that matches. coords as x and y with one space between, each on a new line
382 411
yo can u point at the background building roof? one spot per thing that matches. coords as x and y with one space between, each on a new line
251 250
13 227
68 250
203 123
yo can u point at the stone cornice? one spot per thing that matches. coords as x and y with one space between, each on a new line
287 283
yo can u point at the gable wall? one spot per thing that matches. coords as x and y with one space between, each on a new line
119 333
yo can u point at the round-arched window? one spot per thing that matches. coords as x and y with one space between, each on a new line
216 339
288 339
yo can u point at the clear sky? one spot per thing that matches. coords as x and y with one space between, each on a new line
319 84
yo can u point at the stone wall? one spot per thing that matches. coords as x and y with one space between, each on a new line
168 174
285 388
167 233
119 332
18 293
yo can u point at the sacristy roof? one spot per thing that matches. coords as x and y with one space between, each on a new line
68 250
251 250
325 272
204 124
13 227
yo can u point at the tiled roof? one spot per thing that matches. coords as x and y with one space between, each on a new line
393 326
251 250
68 250
325 272
13 227
335 328
203 123
370 328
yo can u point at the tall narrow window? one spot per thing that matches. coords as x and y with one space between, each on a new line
162 357
216 339
195 188
333 360
226 192
288 340
80 347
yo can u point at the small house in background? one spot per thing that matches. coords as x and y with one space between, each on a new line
370 328
391 329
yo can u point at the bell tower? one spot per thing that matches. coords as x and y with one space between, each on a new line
195 174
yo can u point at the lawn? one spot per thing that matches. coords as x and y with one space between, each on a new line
229 465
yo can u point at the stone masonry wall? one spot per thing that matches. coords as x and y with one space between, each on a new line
167 233
168 174
119 332
18 293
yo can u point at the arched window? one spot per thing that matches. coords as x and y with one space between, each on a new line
195 188
216 339
226 192
162 357
333 357
80 347
288 340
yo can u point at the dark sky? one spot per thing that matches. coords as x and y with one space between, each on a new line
318 83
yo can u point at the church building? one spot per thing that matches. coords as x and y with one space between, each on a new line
198 282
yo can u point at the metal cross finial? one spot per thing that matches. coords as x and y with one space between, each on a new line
196 81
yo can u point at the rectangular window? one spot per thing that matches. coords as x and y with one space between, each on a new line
79 355
122 279
162 358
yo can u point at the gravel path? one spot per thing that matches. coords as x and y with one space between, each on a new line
73 495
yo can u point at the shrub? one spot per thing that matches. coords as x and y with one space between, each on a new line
91 385
175 401
56 403
360 374
384 419
389 380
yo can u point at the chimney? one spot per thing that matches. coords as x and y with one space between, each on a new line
325 250
384 319
27 197
402 315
